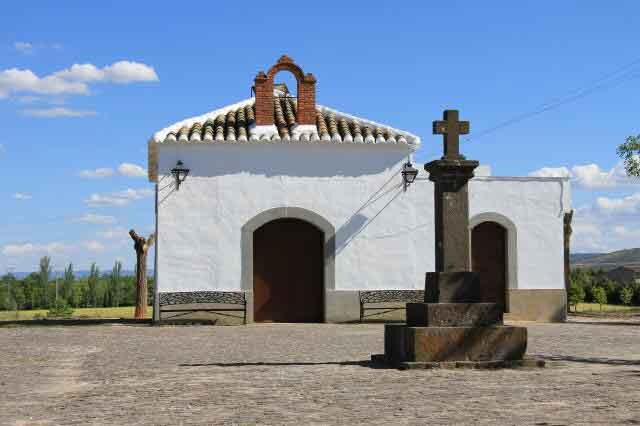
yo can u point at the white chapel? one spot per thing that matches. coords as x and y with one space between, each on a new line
278 209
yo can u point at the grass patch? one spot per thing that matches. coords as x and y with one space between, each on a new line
619 309
120 312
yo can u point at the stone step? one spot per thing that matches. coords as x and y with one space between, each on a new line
453 314
440 344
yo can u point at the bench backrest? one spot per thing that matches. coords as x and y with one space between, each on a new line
381 296
222 297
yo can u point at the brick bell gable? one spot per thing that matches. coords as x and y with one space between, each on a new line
263 85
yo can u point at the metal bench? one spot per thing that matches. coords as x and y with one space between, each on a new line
388 296
202 297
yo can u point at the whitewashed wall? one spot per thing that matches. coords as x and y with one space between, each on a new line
384 236
536 207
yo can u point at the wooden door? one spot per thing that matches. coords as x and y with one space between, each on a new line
489 260
288 272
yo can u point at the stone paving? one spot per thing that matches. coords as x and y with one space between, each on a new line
303 374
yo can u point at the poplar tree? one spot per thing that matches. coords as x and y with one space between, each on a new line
93 285
67 286
43 278
114 284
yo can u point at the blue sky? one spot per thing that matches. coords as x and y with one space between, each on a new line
73 144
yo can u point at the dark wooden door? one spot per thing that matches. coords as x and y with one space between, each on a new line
489 260
288 272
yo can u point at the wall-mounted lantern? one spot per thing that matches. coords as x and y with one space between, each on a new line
179 173
409 174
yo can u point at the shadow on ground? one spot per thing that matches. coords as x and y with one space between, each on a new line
588 360
610 323
366 363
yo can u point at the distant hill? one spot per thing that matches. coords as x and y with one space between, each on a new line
607 261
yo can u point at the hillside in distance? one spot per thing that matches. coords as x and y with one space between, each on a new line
606 261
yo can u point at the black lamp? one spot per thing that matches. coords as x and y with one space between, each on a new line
409 174
179 173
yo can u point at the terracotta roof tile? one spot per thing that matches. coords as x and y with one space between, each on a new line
235 124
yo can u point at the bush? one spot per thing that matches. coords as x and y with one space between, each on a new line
60 309
600 296
576 295
626 295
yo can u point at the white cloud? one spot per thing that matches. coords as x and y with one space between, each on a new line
22 196
93 246
119 72
17 80
97 219
118 199
23 46
590 176
114 234
97 173
606 227
551 172
131 170
73 80
628 204
30 248
128 72
58 112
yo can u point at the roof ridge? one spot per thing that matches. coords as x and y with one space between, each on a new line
236 122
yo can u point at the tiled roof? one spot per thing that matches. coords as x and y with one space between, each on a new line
235 123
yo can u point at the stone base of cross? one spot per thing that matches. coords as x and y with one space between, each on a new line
453 325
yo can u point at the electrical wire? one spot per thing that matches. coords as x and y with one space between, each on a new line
613 79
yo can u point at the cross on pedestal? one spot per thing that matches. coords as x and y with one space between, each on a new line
450 175
451 128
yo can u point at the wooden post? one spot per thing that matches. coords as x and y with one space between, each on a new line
141 247
568 230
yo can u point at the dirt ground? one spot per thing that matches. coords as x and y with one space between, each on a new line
302 374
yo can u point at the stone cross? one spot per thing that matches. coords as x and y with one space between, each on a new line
451 128
450 175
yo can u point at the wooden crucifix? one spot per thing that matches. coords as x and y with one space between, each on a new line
141 247
451 128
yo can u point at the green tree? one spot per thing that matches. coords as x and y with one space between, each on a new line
30 285
629 151
67 285
7 301
576 295
44 276
626 295
94 276
114 284
600 296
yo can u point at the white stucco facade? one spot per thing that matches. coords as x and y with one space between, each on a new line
384 236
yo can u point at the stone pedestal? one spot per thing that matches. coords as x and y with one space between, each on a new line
453 314
452 326
447 344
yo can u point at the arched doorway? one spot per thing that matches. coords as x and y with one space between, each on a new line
288 271
489 259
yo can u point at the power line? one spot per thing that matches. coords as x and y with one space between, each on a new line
615 78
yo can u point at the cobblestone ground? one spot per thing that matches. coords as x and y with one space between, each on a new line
301 374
